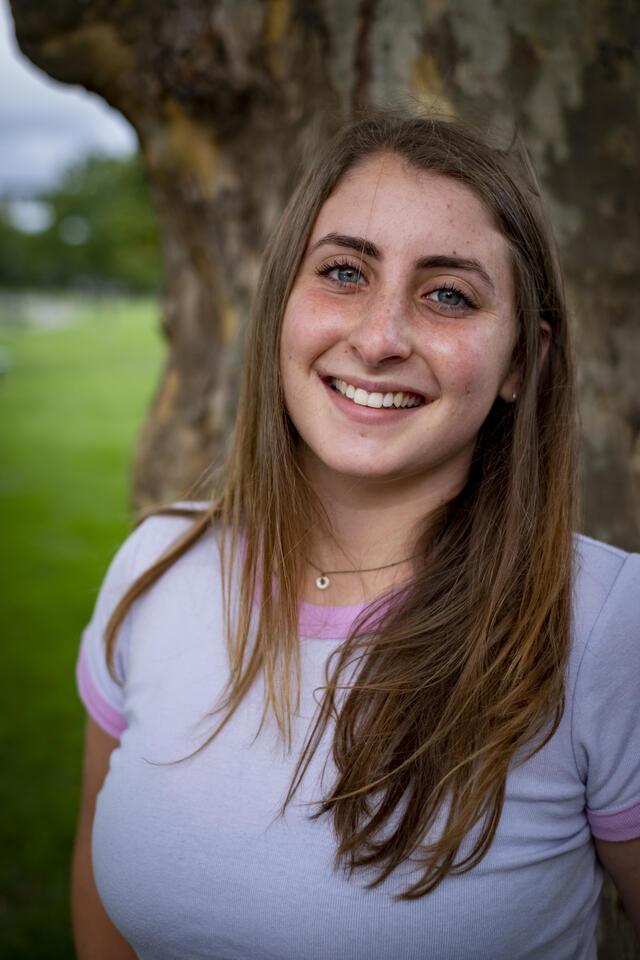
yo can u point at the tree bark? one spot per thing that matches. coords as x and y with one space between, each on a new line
226 96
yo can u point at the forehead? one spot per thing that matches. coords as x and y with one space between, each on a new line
402 208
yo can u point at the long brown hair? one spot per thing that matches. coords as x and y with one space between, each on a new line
464 674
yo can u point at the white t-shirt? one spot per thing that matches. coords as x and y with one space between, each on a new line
192 862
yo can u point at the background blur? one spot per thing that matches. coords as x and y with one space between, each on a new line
118 375
80 355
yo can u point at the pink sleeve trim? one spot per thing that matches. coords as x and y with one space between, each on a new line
623 825
110 719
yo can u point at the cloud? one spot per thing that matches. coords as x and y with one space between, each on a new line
47 125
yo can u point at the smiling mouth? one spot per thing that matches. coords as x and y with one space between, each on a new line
364 398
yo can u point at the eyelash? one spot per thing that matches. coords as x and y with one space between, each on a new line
341 264
466 299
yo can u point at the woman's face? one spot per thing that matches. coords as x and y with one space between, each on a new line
399 332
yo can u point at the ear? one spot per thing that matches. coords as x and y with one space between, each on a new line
511 385
545 342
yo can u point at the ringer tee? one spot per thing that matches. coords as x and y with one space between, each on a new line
192 861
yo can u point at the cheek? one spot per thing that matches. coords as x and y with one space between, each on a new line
300 344
293 340
457 363
470 364
309 328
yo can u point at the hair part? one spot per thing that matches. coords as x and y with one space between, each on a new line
464 674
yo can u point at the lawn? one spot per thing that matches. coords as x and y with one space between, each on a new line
72 398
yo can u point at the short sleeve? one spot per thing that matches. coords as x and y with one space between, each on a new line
606 711
102 697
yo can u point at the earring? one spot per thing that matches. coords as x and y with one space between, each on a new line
514 396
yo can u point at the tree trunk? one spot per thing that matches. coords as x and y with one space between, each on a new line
226 97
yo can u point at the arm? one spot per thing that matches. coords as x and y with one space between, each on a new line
621 860
95 936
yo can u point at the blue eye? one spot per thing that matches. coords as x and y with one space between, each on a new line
342 273
450 298
346 274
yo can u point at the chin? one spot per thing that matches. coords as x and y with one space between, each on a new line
360 468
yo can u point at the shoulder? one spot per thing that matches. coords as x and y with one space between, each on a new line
156 537
153 539
158 533
598 560
605 659
604 689
606 590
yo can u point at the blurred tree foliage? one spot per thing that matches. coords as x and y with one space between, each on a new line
102 232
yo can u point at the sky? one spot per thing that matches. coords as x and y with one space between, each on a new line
45 125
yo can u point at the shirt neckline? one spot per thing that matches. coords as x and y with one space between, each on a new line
317 622
327 623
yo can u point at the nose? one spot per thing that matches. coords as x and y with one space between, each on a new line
381 334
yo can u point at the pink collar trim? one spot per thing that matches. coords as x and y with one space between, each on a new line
323 623
327 623
334 623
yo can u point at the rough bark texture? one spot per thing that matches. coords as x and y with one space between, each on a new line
226 95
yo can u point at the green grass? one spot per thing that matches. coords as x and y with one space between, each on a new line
71 404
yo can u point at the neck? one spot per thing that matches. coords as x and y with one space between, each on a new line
370 524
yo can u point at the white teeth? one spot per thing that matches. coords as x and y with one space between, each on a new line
365 399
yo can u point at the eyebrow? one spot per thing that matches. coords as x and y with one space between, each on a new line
358 244
441 261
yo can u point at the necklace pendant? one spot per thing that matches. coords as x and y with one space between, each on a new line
323 582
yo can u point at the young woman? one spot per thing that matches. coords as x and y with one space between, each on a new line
425 688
